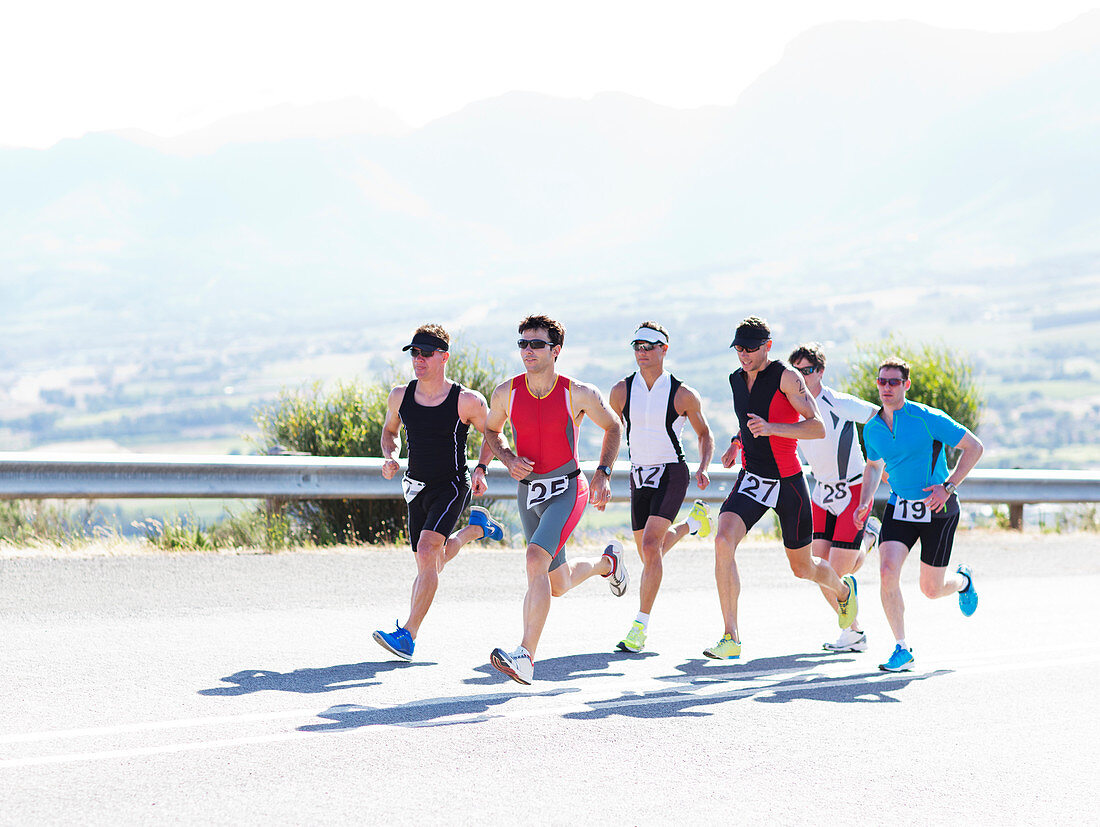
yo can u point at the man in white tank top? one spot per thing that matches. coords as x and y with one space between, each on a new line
654 405
837 463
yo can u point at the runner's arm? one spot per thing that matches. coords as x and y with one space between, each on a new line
474 411
810 427
693 410
391 432
972 450
494 441
872 476
592 403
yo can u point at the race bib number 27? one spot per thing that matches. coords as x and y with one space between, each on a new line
539 491
761 489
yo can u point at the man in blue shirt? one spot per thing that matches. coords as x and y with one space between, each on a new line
908 441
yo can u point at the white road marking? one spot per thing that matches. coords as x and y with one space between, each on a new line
590 699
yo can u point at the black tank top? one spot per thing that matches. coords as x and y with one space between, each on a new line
773 457
436 436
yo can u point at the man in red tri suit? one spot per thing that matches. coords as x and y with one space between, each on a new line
769 399
546 410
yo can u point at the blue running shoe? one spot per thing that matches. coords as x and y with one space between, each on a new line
491 528
399 642
968 597
900 661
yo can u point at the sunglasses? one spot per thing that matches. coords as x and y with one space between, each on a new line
534 344
646 346
425 352
741 349
807 371
893 383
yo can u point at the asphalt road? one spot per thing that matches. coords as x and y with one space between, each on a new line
214 688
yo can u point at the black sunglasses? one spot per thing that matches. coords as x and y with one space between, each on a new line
534 344
741 349
893 383
807 370
646 346
426 352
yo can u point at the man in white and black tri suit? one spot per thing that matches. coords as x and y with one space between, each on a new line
654 406
774 410
837 464
436 414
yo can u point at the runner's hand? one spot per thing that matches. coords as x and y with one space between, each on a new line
759 426
478 484
520 467
599 494
860 517
702 478
729 459
937 499
389 468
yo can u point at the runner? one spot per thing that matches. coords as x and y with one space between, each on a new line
437 414
907 439
774 410
546 410
654 405
837 465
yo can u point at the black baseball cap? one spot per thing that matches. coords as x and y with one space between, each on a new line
426 341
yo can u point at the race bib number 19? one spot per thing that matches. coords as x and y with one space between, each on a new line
647 476
911 511
539 491
761 489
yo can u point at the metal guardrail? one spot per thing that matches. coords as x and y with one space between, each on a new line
125 476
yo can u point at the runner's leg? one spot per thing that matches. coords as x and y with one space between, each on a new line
892 556
429 562
731 531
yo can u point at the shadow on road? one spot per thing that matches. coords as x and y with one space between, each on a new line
307 681
566 668
430 712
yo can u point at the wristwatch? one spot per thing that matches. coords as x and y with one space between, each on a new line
949 487
606 469
482 466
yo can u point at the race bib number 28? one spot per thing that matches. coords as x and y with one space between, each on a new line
911 511
761 489
833 497
539 491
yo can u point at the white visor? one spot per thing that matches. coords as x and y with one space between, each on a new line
648 334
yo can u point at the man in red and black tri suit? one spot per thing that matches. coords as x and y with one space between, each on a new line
546 410
769 399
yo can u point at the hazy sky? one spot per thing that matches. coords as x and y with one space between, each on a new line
72 67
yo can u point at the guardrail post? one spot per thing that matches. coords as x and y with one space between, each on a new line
1016 516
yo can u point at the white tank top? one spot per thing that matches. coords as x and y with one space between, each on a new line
652 425
837 457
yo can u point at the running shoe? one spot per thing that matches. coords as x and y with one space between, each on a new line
635 638
516 665
900 661
701 515
725 649
617 578
849 641
399 642
848 608
872 529
968 597
491 529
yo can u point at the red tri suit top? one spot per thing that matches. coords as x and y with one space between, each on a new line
771 457
544 428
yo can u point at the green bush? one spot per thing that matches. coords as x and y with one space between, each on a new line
347 422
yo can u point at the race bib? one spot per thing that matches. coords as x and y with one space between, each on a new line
411 487
647 476
539 491
911 511
832 496
761 489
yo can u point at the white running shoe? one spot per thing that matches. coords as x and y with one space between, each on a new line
618 578
871 530
849 641
516 665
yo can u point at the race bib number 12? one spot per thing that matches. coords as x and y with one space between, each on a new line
647 476
911 511
761 489
539 491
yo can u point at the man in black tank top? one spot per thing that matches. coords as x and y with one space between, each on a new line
437 415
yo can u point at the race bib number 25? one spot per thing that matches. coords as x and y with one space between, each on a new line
761 489
911 511
539 491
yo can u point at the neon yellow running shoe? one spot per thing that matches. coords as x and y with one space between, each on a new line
700 514
848 608
725 649
635 638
